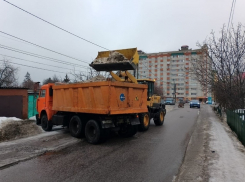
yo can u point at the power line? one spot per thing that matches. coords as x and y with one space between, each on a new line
35 67
57 26
233 11
42 47
14 40
36 62
40 56
231 14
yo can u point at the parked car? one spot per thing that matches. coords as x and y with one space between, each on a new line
194 103
169 101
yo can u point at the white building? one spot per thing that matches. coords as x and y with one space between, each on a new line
170 68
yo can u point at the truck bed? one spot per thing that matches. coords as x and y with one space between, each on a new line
107 97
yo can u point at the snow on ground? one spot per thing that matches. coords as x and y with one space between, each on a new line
12 128
6 119
229 154
169 108
32 118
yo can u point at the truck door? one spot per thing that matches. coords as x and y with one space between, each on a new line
41 101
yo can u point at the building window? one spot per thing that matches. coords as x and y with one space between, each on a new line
193 93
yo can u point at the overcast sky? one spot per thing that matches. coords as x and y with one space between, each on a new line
149 25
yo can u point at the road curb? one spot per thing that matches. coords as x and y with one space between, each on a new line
178 175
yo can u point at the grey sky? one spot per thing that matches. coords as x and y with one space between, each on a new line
149 25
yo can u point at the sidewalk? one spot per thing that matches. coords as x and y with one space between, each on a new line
213 153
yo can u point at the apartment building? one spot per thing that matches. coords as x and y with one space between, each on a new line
171 69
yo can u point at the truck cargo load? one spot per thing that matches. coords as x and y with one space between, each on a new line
123 59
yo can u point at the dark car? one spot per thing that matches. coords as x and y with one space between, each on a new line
194 103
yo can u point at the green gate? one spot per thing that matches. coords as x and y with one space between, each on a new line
32 110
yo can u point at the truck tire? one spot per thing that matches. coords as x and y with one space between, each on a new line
93 132
46 124
76 126
159 120
144 121
128 131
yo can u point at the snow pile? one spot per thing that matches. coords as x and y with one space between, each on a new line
14 128
229 153
114 57
32 118
5 119
97 79
169 108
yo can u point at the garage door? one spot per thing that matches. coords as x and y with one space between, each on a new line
11 106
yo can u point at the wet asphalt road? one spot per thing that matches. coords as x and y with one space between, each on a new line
155 155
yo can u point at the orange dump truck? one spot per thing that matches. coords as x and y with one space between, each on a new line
93 108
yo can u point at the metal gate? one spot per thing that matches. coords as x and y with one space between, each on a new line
11 106
32 100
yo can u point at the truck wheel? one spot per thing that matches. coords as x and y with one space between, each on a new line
46 125
144 121
75 126
128 131
159 120
93 133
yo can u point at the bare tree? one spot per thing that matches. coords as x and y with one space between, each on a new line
66 79
54 79
158 90
82 76
222 67
8 74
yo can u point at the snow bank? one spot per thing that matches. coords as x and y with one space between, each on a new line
6 119
15 128
229 154
32 118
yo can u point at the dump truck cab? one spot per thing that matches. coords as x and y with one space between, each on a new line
45 102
